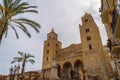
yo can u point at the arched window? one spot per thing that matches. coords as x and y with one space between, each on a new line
47 58
78 70
59 71
67 71
48 44
90 47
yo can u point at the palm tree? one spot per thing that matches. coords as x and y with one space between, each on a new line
24 58
9 12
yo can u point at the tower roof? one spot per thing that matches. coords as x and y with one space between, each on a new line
52 30
87 18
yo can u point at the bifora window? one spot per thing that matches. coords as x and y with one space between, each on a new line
88 38
87 30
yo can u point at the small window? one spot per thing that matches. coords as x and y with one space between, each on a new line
90 47
48 44
49 36
88 38
56 51
86 20
87 30
56 45
47 58
47 51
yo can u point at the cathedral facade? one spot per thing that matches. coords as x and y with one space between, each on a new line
86 60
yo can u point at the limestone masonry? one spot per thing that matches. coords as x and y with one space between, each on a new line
88 59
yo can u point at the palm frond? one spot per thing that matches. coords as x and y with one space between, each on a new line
21 24
25 31
12 8
13 61
30 7
10 3
21 10
34 11
33 26
2 10
31 61
14 3
30 56
20 53
5 2
6 32
15 31
20 6
20 59
29 21
15 58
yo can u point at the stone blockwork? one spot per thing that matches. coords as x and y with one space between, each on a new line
89 59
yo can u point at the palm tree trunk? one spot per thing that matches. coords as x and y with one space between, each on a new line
22 70
1 35
3 24
23 67
1 30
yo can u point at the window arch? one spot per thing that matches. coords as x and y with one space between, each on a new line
90 47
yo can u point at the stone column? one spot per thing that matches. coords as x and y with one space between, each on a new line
69 73
61 72
72 71
86 76
81 75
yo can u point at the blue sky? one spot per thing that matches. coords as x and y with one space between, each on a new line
62 15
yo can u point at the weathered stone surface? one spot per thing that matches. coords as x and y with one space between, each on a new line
88 57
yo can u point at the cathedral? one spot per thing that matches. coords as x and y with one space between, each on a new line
88 60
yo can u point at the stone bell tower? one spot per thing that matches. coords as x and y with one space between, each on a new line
93 55
90 35
51 47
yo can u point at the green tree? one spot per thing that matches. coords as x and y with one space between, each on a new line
9 17
24 58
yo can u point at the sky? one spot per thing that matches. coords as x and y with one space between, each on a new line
62 15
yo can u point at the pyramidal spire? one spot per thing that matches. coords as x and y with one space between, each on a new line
52 30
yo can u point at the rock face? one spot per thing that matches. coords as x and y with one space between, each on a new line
88 59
